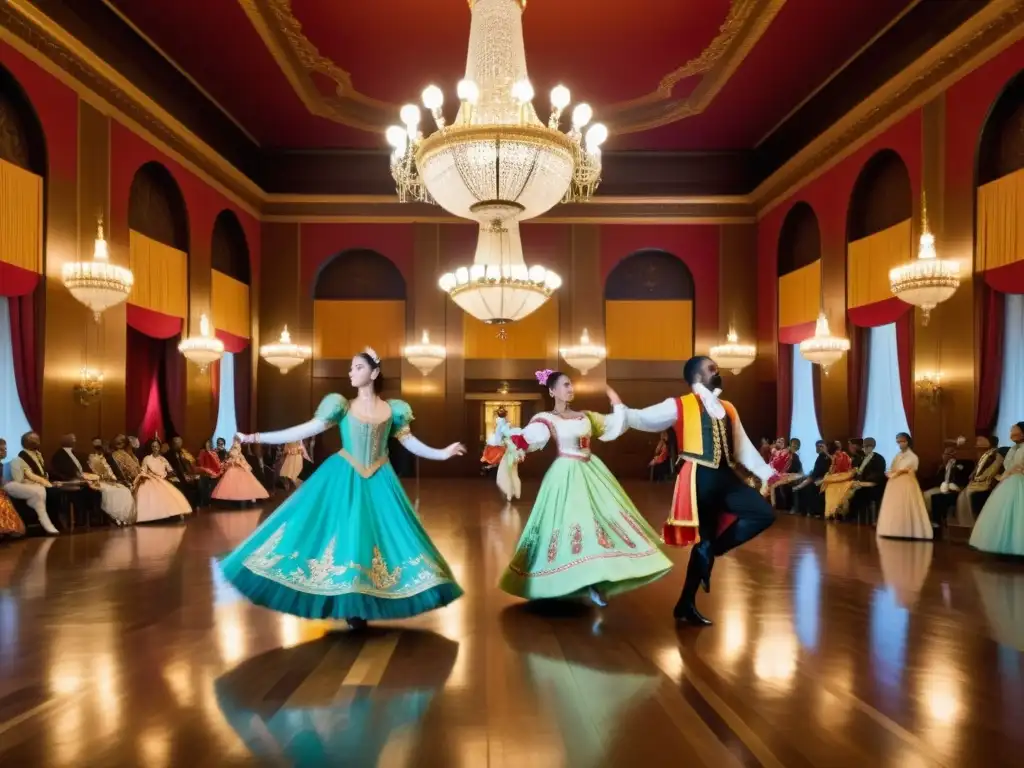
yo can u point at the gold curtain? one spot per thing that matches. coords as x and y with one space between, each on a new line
161 276
1001 222
800 295
229 301
535 337
869 261
21 217
342 329
649 330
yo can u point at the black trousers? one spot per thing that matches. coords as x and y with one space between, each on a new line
721 490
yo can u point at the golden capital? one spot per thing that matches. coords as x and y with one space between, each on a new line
522 4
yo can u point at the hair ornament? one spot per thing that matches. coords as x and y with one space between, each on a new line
542 376
373 355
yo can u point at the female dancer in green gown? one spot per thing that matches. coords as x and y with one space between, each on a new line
347 544
584 536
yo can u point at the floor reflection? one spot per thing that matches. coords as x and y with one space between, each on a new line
905 567
1002 599
310 705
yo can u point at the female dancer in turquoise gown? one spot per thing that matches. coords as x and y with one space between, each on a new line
348 544
1000 526
584 536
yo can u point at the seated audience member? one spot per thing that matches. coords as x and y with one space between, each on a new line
238 483
11 523
209 469
29 481
981 482
950 478
809 500
184 465
837 485
124 462
222 449
765 449
869 470
136 448
1000 526
66 468
659 465
254 454
156 497
783 497
116 497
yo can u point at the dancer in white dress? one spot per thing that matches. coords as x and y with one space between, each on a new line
903 514
115 499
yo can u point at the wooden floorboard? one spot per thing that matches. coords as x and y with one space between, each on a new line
124 647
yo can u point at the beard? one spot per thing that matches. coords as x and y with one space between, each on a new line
715 382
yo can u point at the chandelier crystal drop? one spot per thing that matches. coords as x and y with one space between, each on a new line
732 355
584 356
425 357
497 151
498 287
98 284
285 355
823 348
203 349
927 281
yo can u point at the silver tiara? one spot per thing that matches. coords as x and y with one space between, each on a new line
373 355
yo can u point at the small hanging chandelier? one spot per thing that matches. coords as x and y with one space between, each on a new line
204 348
98 284
732 355
584 356
927 281
424 356
823 348
283 354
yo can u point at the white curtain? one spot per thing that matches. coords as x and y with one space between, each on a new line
803 421
227 422
13 423
1011 391
884 416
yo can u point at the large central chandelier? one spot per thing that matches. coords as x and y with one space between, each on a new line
927 281
98 284
823 348
497 163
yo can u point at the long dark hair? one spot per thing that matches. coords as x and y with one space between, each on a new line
378 383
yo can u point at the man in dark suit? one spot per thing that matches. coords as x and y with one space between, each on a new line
66 467
951 477
808 498
869 468
183 464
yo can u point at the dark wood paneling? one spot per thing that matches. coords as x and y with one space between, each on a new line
156 207
200 405
230 251
799 240
881 197
360 275
283 400
650 275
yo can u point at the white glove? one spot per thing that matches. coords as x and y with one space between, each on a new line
944 488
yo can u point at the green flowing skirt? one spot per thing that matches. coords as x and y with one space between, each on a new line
343 546
583 532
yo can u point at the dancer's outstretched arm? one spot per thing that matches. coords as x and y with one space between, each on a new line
532 437
608 427
330 411
748 455
401 418
654 418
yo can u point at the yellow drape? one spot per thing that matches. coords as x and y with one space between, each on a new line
869 261
161 276
342 329
535 337
21 217
1001 222
649 330
229 300
800 295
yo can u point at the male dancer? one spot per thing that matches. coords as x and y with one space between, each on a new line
712 446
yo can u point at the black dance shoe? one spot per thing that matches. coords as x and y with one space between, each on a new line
687 613
356 624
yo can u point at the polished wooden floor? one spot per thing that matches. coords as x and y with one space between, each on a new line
125 648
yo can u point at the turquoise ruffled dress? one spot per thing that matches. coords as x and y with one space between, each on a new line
1000 526
347 543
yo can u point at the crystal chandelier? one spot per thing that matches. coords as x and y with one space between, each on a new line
283 354
823 348
497 163
927 281
424 356
98 284
732 355
204 348
584 356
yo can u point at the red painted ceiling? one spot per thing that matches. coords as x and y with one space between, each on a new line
393 48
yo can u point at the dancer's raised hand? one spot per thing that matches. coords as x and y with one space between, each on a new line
613 396
455 449
242 437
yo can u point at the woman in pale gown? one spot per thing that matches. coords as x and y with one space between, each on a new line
902 514
115 499
1000 526
837 485
238 483
156 498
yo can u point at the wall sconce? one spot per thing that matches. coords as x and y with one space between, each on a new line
89 386
929 387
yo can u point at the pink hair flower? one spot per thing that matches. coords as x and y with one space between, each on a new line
542 376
